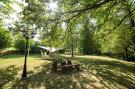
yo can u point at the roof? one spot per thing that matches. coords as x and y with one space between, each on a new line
50 49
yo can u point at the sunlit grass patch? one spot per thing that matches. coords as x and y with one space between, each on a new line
18 60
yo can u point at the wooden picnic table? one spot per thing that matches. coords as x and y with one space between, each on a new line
65 66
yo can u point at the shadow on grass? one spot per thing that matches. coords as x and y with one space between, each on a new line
11 56
35 55
111 72
44 78
7 75
124 67
18 55
96 74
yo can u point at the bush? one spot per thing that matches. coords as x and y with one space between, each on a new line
131 57
34 49
20 44
5 38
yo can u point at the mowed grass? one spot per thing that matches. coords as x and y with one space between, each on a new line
18 60
96 73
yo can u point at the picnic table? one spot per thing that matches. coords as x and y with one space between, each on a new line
65 66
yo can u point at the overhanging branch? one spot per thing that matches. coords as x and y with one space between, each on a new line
90 7
119 23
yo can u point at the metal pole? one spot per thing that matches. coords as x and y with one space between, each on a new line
24 75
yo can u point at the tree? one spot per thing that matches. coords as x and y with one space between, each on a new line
20 44
88 44
5 38
112 17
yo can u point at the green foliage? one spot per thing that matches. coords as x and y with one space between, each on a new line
5 38
111 27
34 47
131 57
88 44
53 38
20 44
5 1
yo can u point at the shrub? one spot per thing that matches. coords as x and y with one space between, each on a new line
5 38
131 57
20 44
34 49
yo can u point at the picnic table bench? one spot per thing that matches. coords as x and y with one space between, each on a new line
65 66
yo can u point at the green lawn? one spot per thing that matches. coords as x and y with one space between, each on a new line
97 73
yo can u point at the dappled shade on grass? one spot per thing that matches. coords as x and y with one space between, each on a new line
7 75
96 73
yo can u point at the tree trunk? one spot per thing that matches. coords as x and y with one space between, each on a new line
126 53
72 48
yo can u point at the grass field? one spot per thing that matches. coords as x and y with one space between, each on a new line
97 73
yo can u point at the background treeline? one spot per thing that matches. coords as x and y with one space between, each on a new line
90 27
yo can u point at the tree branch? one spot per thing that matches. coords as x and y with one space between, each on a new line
119 23
90 7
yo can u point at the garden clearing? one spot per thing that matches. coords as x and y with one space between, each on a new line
97 73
